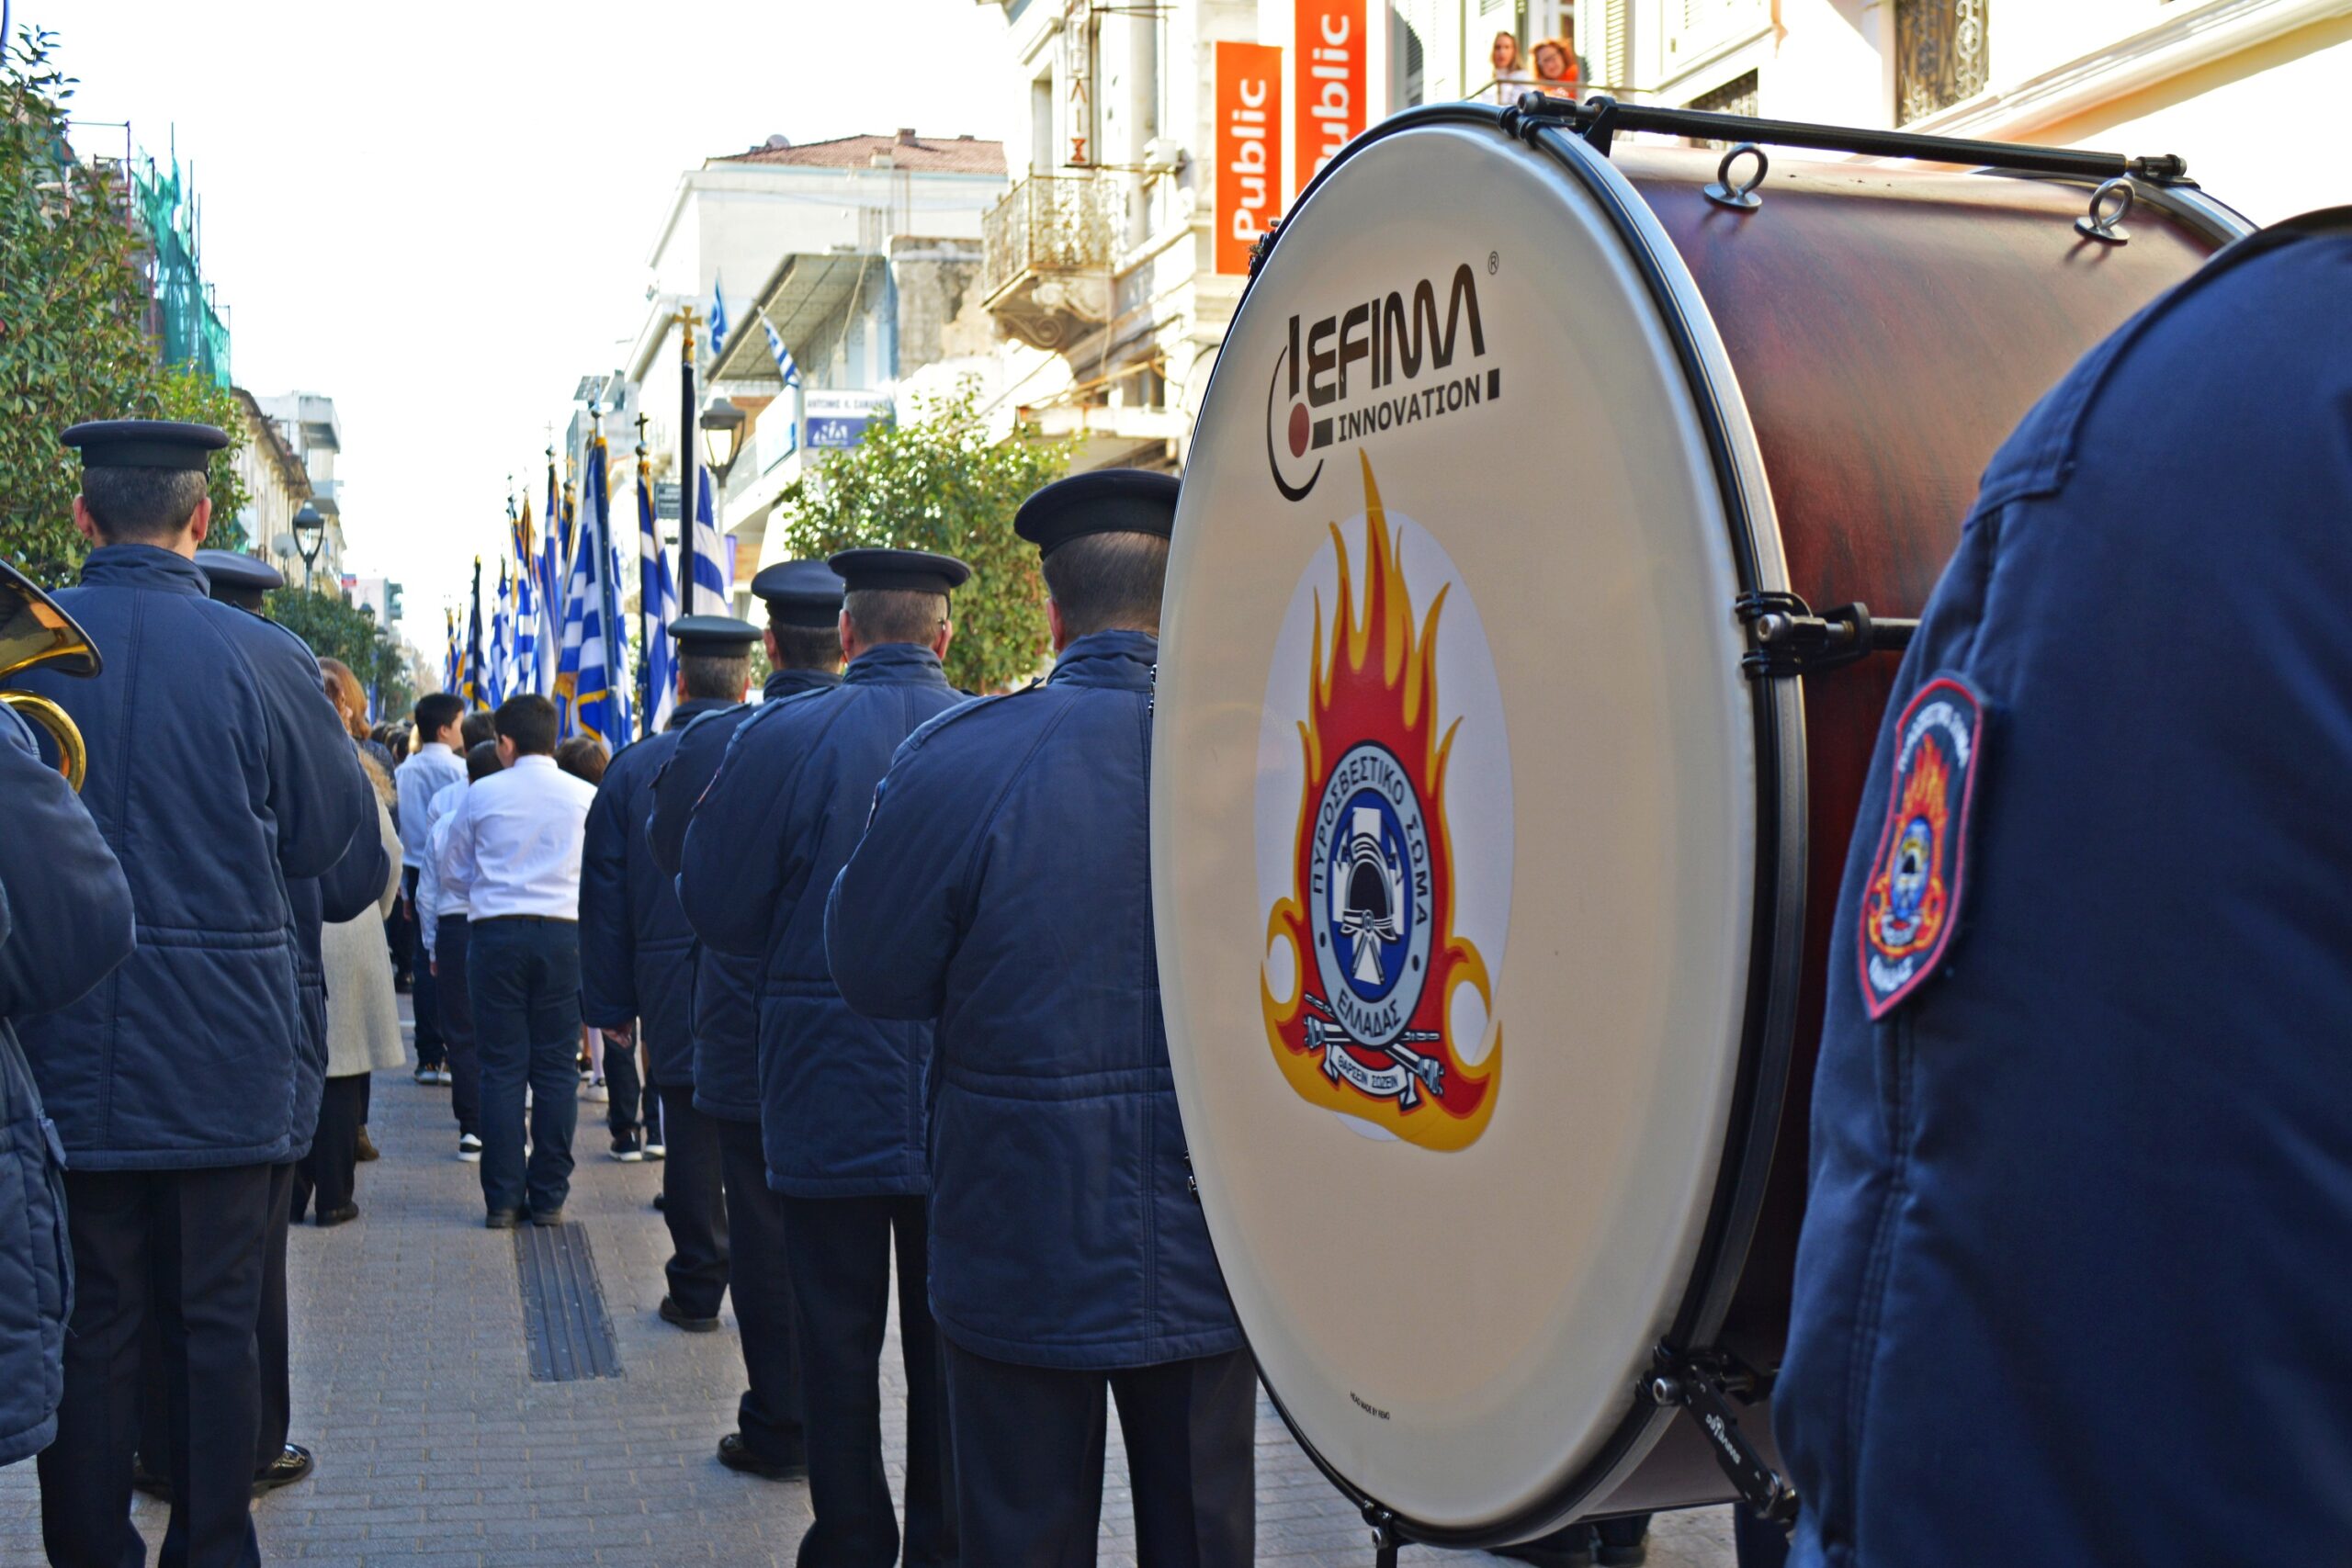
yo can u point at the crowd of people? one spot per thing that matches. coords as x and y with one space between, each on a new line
803 939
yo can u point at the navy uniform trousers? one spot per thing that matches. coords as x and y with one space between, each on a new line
424 986
694 1203
759 1272
1028 1446
200 1241
270 1347
524 974
457 1023
840 1251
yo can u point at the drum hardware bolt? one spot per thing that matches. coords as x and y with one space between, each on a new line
1737 195
1785 637
2109 205
1664 1391
1385 1537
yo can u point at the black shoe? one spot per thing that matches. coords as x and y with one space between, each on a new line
295 1464
344 1215
736 1454
1628 1556
145 1480
1570 1548
547 1216
677 1316
503 1219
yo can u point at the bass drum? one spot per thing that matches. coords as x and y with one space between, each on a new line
1492 891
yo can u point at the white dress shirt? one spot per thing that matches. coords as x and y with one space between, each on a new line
435 898
419 779
514 842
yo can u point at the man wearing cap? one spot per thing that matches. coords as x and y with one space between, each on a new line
803 648
840 1096
235 578
636 963
175 1087
1003 888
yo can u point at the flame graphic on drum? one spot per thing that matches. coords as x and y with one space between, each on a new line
1373 875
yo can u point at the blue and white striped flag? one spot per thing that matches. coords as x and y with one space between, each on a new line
601 702
501 652
708 589
658 596
526 674
718 321
786 366
551 598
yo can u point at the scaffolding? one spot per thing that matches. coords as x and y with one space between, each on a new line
186 318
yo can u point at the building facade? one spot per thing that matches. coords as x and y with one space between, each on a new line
860 253
310 430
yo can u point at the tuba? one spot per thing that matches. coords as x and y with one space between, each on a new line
34 630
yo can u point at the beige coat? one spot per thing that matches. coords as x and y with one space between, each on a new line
363 1016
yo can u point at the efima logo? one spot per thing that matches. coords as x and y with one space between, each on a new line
1371 367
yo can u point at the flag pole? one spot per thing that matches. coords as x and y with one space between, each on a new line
688 408
646 630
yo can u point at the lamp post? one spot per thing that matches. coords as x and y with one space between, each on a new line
310 534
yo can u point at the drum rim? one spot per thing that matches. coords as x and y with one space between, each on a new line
1777 922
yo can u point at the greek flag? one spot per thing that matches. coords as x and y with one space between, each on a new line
718 321
706 584
600 685
470 674
657 597
786 366
550 587
502 645
526 670
450 659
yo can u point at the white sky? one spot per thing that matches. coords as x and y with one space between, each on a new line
439 214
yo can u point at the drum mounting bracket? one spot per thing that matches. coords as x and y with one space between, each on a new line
1785 637
1706 1382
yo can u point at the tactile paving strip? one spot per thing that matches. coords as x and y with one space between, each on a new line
569 1333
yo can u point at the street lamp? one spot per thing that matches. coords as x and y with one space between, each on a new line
722 438
310 534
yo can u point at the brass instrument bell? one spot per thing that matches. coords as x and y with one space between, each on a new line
34 630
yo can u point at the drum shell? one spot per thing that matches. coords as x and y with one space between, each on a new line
1889 326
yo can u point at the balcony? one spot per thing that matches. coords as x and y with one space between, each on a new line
1047 253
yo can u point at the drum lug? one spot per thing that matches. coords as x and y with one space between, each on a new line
1705 1383
1385 1537
1785 637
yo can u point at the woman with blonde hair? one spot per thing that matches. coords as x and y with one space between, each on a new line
363 1016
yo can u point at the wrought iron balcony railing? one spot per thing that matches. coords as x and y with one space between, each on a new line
1049 226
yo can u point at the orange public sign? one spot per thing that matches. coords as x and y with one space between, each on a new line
1248 149
1327 81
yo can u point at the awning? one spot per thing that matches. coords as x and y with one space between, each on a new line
803 292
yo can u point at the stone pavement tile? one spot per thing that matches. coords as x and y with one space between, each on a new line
437 1450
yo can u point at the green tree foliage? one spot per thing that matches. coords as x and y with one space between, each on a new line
336 628
938 482
188 393
74 341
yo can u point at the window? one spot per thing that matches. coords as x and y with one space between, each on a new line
1409 59
1041 125
1940 55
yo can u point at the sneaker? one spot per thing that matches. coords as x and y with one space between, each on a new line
470 1148
595 1093
627 1149
444 1076
547 1216
502 1219
656 1151
428 1076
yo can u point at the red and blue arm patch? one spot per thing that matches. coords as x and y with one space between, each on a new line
1912 898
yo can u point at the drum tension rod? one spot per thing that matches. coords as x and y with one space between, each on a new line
1705 1383
1785 637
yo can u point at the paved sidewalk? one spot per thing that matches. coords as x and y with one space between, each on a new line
437 1449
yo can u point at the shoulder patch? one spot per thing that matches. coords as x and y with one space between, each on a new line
1911 903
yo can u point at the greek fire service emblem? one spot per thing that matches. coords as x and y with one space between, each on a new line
1365 957
1911 903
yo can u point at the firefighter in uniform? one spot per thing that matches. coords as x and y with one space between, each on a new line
1003 889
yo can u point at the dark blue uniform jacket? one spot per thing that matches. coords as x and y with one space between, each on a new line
2071 1285
217 772
840 1096
1004 888
66 924
637 953
726 1007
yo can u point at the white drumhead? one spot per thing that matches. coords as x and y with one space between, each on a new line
1455 810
